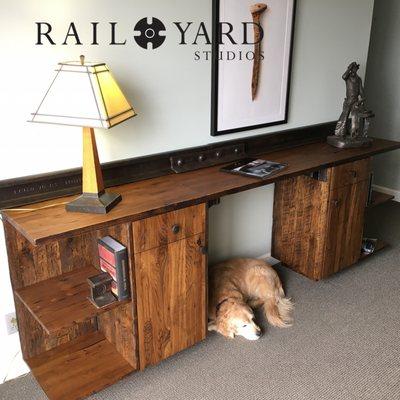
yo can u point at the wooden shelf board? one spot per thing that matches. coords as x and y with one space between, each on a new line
79 368
154 196
59 303
379 198
379 246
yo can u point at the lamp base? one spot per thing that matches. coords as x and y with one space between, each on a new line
92 203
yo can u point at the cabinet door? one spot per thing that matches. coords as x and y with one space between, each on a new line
171 298
346 225
300 224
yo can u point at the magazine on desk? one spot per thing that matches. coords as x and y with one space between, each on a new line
255 168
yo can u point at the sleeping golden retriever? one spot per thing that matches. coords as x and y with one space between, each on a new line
238 286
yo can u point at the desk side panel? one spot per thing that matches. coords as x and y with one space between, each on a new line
28 265
32 264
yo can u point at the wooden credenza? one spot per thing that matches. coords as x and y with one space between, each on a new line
74 349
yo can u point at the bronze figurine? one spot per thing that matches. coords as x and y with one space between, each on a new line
353 125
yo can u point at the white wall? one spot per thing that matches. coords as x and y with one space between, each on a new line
170 91
383 89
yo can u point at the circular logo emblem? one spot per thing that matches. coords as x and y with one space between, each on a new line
150 33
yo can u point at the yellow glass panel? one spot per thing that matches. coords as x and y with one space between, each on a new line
123 117
114 100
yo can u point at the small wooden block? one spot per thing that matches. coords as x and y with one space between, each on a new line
379 198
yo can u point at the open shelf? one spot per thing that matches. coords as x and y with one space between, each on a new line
79 368
58 303
379 246
379 198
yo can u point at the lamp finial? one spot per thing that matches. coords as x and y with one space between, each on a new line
82 57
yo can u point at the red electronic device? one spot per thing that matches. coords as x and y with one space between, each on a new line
114 260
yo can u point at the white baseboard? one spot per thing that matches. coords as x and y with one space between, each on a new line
382 189
264 256
269 259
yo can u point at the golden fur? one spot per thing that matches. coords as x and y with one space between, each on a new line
235 288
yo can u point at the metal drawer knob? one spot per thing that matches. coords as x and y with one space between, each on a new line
176 229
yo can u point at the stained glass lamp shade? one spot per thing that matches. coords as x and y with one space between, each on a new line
87 95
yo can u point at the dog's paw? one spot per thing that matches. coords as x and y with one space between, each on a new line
212 326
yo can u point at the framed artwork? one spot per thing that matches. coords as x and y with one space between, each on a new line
252 55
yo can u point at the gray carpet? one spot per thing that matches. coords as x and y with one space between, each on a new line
344 344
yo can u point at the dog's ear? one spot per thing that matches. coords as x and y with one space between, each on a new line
223 326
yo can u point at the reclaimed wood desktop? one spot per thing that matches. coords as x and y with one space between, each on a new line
75 350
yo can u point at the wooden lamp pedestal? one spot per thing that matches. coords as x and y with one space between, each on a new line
94 200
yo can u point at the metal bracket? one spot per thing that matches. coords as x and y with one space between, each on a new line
215 202
207 158
320 175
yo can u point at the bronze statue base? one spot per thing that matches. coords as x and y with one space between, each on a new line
349 143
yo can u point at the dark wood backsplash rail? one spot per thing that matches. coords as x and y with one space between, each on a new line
36 188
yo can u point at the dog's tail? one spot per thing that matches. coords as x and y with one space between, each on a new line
278 310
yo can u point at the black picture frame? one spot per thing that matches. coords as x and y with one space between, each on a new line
215 76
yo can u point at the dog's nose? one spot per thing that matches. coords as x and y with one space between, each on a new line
258 333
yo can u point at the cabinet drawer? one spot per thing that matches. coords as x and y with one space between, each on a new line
168 228
348 174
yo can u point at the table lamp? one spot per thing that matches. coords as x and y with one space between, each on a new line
86 94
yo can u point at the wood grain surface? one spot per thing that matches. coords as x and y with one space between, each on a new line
300 223
346 226
171 291
318 226
158 195
80 368
29 265
61 302
119 327
350 173
34 265
36 188
168 228
92 178
120 324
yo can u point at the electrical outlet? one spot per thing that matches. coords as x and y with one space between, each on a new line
11 323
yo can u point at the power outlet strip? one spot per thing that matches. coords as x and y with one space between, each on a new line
11 323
